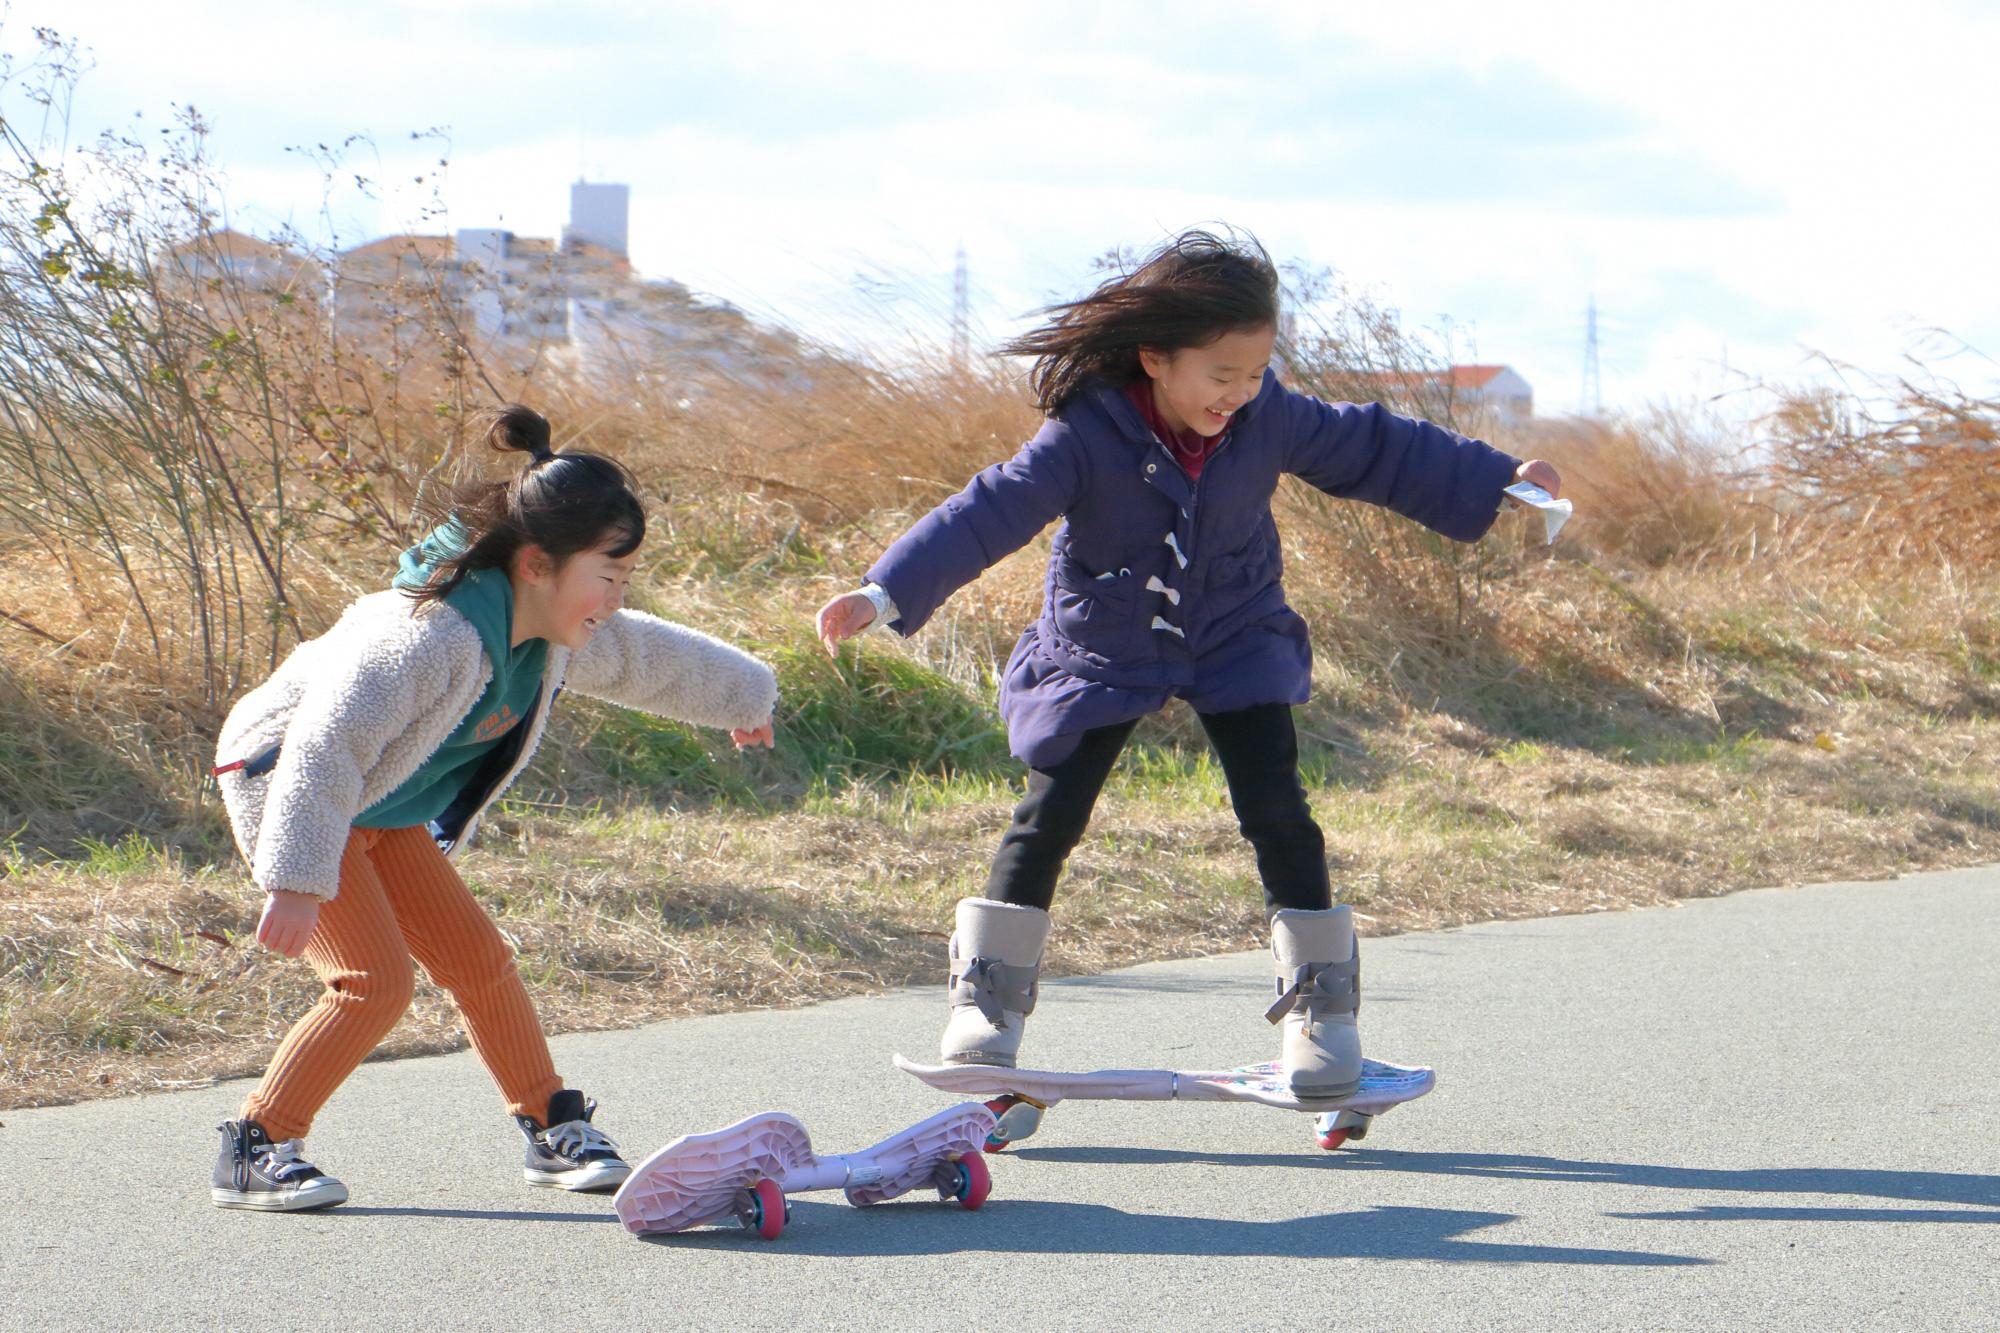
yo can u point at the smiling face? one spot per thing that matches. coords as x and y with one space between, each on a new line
567 605
1199 388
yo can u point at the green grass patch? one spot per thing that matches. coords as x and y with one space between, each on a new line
1730 752
868 717
132 854
920 794
1520 754
878 715
637 750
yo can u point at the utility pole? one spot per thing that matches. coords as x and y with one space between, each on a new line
1593 381
961 315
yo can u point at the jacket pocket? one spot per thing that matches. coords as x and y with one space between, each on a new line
1093 612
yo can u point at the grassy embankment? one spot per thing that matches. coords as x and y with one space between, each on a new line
1589 732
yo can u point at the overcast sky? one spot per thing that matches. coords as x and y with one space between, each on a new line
1746 180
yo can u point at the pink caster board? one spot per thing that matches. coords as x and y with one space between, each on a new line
1026 1093
745 1171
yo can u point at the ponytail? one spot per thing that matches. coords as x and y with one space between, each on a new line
565 503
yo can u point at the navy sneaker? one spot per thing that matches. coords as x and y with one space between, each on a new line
253 1172
570 1153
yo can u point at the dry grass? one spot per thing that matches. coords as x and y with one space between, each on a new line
1678 704
1826 735
125 978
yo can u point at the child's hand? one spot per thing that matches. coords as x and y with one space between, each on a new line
843 618
1543 475
748 737
287 922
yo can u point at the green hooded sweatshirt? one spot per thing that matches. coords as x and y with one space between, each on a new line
486 598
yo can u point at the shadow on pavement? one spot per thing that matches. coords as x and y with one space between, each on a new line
1035 1226
471 1214
1252 993
1152 985
1714 1214
1921 1186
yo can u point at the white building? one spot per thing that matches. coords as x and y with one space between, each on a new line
517 300
599 215
514 293
512 287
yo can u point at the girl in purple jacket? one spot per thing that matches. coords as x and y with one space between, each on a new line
1166 436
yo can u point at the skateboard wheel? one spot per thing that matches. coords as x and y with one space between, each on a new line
768 1210
1340 1127
997 1141
975 1182
1014 1119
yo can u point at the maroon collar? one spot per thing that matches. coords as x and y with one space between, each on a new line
1190 448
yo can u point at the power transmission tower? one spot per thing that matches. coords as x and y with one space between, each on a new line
1593 381
961 315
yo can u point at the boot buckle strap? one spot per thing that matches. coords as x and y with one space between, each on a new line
995 987
1320 990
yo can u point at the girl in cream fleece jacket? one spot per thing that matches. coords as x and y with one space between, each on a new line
355 772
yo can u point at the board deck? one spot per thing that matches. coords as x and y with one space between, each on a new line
1383 1085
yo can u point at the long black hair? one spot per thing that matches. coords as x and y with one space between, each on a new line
1189 292
565 503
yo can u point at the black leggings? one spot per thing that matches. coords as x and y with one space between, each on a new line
1260 758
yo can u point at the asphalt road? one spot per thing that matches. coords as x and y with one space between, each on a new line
1776 1110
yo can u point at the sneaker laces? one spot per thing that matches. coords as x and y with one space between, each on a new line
280 1160
579 1139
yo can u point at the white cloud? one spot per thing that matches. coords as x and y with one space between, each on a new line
1754 176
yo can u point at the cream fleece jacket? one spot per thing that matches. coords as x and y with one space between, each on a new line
359 708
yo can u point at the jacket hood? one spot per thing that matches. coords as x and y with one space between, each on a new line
484 596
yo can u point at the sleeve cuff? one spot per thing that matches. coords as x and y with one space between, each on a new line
885 608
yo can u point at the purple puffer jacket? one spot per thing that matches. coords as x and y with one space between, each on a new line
1158 586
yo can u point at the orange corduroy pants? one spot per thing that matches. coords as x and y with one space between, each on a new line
399 901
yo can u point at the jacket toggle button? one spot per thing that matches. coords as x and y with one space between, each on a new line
1173 595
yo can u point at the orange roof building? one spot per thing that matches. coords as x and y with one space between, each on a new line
1499 390
237 257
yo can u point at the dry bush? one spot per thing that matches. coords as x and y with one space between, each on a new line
1668 486
836 438
194 450
1893 473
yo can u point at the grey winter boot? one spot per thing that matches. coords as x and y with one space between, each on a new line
1319 989
996 957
